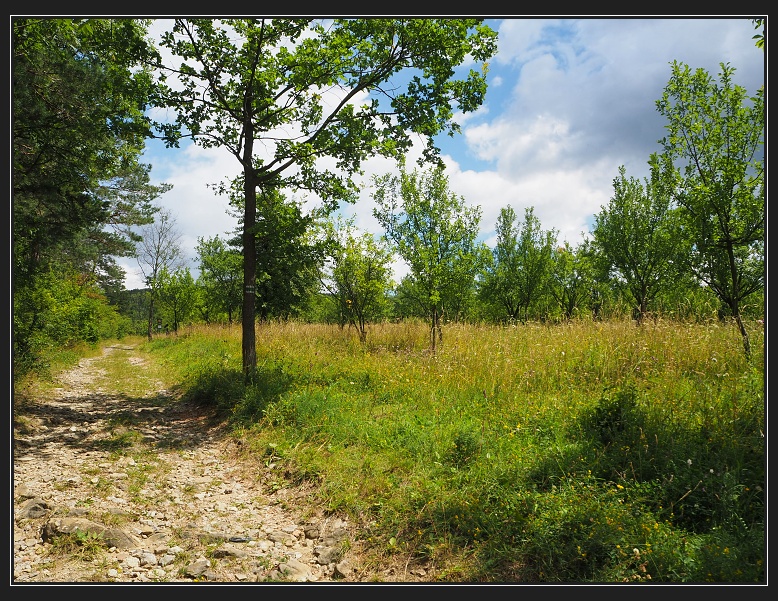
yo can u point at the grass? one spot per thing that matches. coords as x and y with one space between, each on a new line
583 452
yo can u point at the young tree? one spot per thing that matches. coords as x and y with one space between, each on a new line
221 275
521 263
535 248
158 252
280 94
716 133
359 275
571 279
177 296
639 238
435 233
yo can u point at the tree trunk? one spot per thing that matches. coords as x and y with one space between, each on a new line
249 346
433 327
151 316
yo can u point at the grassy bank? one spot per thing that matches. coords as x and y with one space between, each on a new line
586 452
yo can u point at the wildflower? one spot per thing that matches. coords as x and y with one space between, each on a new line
688 462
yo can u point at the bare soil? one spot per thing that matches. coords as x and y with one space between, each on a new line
199 507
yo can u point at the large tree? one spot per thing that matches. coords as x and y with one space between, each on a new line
715 138
433 230
282 94
78 132
638 237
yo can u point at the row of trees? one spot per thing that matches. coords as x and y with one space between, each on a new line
684 238
282 94
639 259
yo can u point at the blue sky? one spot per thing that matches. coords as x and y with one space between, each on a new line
569 101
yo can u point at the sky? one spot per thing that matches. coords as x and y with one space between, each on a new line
569 101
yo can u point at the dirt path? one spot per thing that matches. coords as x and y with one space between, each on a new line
164 492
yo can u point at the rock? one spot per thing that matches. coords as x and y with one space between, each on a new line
292 570
33 508
113 537
197 568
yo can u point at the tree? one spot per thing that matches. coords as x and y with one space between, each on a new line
78 132
177 296
78 188
289 259
435 233
497 286
571 279
521 262
359 275
716 133
638 236
159 252
281 94
221 275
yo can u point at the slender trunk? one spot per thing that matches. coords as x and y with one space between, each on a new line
744 334
249 347
151 316
735 300
433 326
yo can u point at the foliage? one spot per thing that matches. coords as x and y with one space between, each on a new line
78 128
59 310
221 279
571 281
521 264
281 94
289 258
639 238
359 275
433 230
177 297
760 38
715 132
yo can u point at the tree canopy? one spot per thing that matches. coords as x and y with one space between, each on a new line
639 237
79 97
301 103
715 146
433 230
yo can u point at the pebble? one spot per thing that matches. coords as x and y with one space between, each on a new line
182 518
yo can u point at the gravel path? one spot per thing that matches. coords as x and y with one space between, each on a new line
183 506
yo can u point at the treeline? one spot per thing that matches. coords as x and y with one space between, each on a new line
686 243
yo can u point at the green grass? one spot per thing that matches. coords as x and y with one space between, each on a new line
584 452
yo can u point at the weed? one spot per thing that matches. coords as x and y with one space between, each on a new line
86 546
